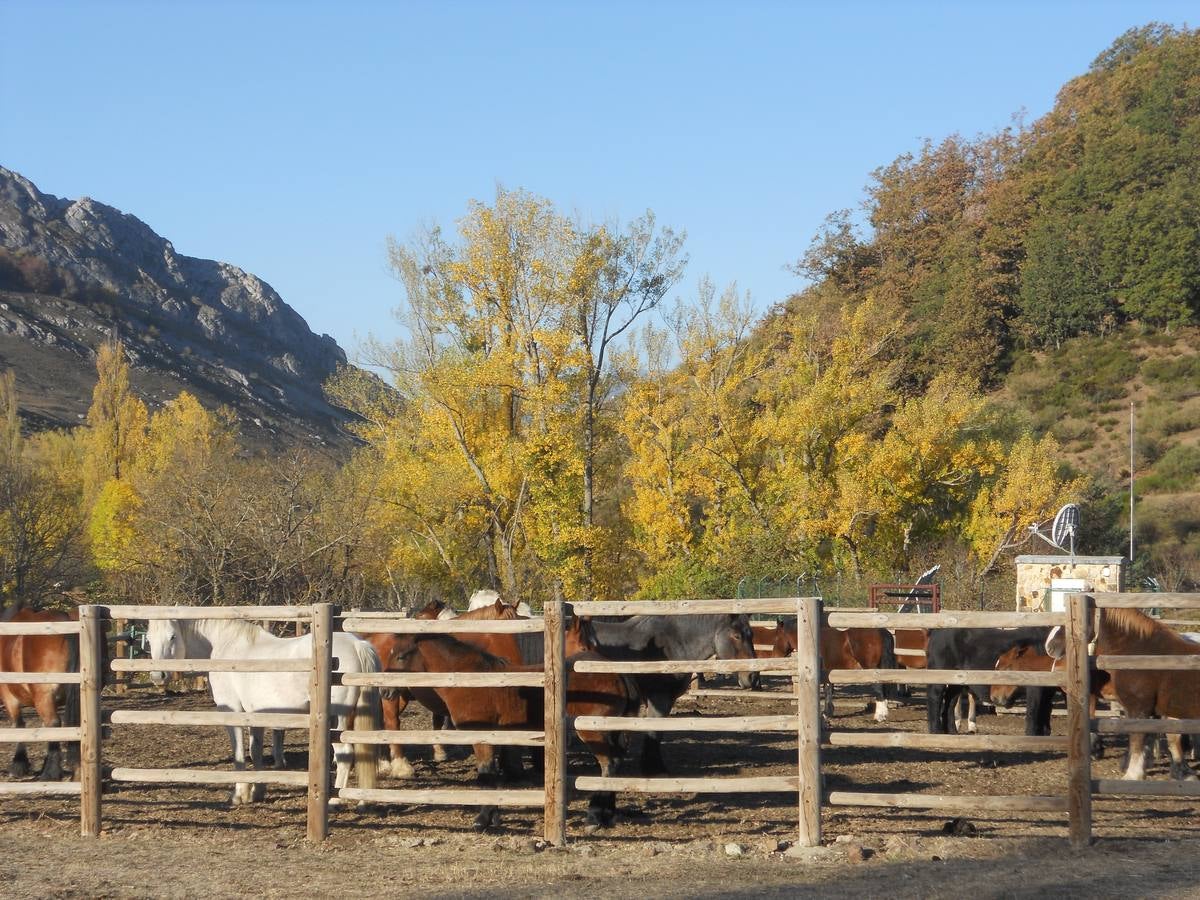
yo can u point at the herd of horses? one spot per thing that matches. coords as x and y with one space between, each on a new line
1139 694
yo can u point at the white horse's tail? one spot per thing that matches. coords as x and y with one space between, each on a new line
367 716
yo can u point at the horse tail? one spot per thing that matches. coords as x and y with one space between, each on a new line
368 713
887 660
71 713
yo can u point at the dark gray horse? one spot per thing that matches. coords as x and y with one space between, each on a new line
697 637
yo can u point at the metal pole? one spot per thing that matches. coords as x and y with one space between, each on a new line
1131 483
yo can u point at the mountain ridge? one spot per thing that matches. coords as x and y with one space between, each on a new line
74 273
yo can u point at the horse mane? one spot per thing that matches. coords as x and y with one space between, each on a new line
1137 624
223 629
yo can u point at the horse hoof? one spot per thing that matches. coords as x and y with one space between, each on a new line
258 794
19 769
402 768
440 755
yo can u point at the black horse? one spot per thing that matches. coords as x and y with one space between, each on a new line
974 648
691 637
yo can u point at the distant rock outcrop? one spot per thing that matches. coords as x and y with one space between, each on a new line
72 273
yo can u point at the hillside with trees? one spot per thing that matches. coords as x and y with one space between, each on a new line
961 363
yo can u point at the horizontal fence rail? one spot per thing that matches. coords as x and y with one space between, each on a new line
202 717
241 613
1175 662
442 626
946 676
211 665
944 620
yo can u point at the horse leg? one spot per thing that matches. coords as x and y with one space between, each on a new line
602 807
47 709
241 791
439 752
19 767
485 776
652 745
278 757
935 697
397 765
971 710
881 704
1136 769
1180 770
258 791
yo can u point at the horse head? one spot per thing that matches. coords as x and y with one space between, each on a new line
431 610
581 635
737 642
166 641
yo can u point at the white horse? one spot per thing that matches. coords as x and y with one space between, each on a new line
285 692
487 597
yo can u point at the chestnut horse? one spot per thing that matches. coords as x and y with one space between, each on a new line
1144 693
41 653
520 708
848 648
395 702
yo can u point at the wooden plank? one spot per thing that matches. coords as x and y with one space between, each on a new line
951 743
442 626
42 788
683 666
1121 787
1146 726
319 685
977 803
198 717
1079 756
444 679
713 724
1180 623
946 676
808 731
556 736
784 606
447 796
1171 662
210 776
963 619
91 683
741 694
21 735
211 665
241 613
761 784
7 628
497 737
40 678
1146 601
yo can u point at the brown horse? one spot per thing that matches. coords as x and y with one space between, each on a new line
520 708
395 702
835 650
1145 693
41 653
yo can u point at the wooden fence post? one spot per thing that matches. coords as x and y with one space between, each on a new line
808 713
120 649
91 677
555 781
318 717
1079 755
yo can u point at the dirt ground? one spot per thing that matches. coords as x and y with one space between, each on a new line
184 841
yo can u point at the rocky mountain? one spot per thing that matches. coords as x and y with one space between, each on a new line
74 273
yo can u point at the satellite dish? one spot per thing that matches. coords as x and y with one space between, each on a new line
1066 526
927 576
1063 529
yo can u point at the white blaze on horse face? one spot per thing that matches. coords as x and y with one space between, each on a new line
1056 642
165 643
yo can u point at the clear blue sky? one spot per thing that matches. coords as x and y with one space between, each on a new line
292 138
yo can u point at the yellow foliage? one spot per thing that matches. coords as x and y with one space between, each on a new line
112 526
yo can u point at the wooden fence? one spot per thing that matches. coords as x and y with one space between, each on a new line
1075 801
551 797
